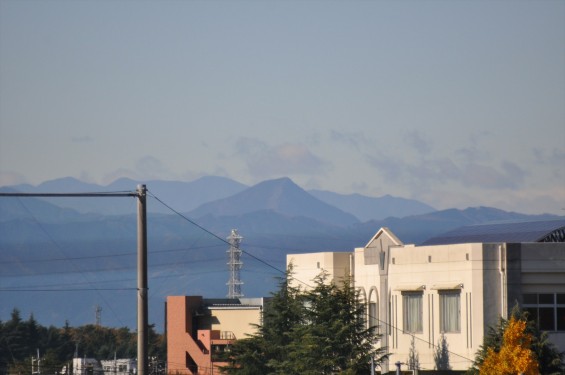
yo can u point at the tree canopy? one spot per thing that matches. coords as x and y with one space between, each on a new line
21 339
515 355
322 330
518 337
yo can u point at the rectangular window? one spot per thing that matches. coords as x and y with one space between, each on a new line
546 309
412 308
450 311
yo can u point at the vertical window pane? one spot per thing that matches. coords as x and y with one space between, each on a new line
546 319
561 318
450 311
412 306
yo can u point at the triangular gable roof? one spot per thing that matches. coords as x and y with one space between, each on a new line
384 231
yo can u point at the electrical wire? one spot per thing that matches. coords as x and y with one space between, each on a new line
215 235
285 273
60 249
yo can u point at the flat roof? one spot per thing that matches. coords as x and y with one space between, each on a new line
514 232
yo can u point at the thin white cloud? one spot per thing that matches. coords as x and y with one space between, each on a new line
554 157
11 178
351 139
120 173
146 168
425 173
287 159
419 142
510 176
151 168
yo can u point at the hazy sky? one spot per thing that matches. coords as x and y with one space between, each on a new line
454 103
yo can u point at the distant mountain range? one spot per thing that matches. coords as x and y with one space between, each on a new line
271 208
183 196
211 190
48 240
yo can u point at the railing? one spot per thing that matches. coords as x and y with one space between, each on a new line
227 335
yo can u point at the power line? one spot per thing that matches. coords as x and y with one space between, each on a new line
121 194
283 272
213 234
61 289
55 243
129 253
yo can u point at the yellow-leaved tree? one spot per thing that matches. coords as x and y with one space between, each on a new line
515 356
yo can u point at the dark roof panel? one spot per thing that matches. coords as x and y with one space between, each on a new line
532 231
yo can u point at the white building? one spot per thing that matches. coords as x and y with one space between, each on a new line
123 366
445 296
85 366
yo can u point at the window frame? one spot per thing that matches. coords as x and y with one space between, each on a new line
418 296
533 306
444 323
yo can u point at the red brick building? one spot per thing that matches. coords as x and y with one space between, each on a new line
199 330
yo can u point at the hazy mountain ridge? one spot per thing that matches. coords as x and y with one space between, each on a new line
52 247
370 208
204 196
183 196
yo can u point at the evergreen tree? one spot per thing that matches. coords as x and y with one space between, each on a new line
441 354
337 329
413 360
320 331
264 351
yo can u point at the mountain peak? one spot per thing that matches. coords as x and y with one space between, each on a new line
280 195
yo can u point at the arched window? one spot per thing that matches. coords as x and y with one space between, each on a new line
373 309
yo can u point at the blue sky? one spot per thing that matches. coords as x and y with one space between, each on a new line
454 103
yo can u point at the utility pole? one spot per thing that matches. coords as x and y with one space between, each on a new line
142 310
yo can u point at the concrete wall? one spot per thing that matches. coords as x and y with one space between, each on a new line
238 321
311 265
489 278
428 270
543 271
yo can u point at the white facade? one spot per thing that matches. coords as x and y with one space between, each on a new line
85 366
124 366
446 296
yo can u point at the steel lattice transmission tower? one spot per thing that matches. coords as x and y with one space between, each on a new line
98 315
234 264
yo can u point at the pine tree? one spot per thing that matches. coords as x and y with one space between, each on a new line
320 331
337 329
265 352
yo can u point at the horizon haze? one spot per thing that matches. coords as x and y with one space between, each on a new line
454 104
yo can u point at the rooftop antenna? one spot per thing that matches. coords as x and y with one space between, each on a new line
234 264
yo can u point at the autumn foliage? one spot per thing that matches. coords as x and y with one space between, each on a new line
515 355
